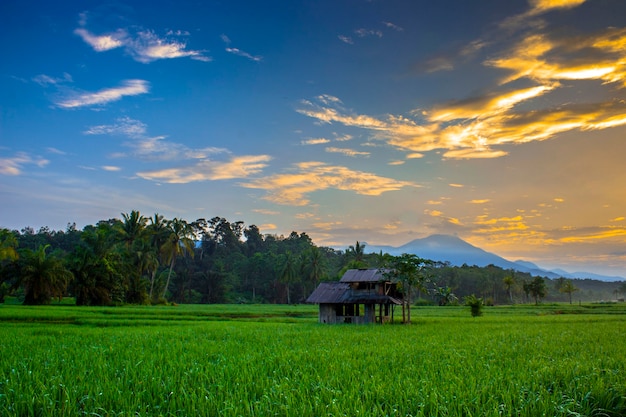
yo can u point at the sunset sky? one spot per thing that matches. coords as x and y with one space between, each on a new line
500 122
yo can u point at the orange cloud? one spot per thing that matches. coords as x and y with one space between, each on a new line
205 170
510 114
602 235
292 188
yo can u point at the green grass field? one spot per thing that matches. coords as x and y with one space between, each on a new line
262 360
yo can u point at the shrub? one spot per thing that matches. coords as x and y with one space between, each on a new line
476 305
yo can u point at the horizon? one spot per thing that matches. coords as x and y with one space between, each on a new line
501 123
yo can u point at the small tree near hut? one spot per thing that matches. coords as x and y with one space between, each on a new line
409 271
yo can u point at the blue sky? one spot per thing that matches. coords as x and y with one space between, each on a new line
379 121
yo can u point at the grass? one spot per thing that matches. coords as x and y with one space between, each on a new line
555 360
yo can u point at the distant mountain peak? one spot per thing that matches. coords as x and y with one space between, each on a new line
456 251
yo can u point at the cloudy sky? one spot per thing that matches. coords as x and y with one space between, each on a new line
501 122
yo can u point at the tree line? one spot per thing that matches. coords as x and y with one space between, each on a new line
151 260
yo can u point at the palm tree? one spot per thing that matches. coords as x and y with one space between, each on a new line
356 255
445 295
509 281
314 265
159 233
288 273
147 260
43 276
95 265
179 242
568 288
133 227
8 245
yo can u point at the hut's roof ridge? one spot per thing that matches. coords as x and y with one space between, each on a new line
364 275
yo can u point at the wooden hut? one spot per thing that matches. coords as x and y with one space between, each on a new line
355 298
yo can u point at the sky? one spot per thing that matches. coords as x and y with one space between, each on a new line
380 121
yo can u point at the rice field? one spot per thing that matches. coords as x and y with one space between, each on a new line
233 360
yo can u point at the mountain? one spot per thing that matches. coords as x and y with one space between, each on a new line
457 252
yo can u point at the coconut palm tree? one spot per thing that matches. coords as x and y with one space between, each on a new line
179 242
508 282
313 265
356 255
288 273
158 234
132 228
43 276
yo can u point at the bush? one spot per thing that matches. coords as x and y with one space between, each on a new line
476 305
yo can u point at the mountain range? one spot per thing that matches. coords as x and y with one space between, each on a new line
456 251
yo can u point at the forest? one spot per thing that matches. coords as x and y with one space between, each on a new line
153 260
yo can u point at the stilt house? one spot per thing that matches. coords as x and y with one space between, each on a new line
355 298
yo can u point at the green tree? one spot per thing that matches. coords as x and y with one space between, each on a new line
8 245
158 234
314 266
132 228
96 267
568 288
537 289
508 282
43 276
410 271
289 273
180 241
8 255
444 295
356 255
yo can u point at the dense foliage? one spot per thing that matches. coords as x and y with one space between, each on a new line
142 260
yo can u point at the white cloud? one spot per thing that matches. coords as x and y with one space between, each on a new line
103 42
123 126
107 95
147 47
361 33
150 147
393 26
346 39
45 80
143 45
55 151
239 52
345 151
14 165
235 51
